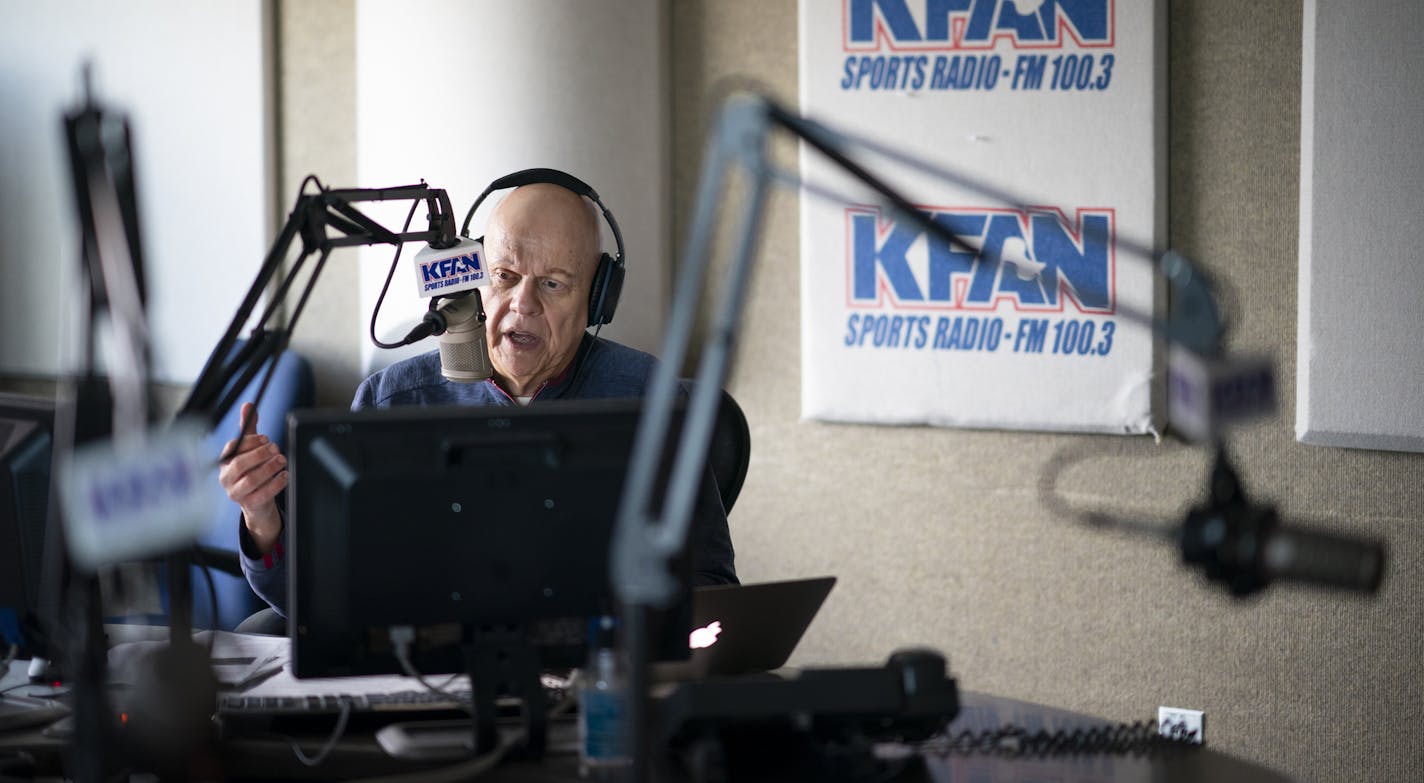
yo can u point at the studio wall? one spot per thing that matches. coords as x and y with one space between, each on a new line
939 536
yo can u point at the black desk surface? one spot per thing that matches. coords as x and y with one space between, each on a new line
358 755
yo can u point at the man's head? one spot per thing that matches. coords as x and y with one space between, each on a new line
542 247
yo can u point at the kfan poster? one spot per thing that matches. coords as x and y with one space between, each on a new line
1054 111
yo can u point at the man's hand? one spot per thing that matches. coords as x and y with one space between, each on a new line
252 477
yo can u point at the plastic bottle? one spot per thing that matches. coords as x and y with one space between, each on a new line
603 713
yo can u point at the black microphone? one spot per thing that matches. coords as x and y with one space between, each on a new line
459 322
1323 558
1245 546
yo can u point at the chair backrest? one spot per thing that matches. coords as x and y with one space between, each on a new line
730 451
293 386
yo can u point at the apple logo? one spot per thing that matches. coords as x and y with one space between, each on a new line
705 636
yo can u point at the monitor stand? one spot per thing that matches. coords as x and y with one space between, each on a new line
501 662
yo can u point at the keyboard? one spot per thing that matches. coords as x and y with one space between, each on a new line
238 704
389 698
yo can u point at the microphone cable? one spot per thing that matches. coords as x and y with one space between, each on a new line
391 273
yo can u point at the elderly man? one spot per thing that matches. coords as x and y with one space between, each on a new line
542 249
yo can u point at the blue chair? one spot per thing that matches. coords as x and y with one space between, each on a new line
292 386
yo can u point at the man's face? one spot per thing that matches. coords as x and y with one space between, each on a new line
541 245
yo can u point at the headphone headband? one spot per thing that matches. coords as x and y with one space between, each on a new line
548 176
608 277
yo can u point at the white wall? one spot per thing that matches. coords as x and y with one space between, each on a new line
190 76
460 93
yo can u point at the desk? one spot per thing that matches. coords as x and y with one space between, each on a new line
358 755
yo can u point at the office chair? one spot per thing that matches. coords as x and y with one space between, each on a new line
730 451
293 386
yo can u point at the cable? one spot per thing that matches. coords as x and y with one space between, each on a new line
206 567
401 637
1055 503
310 178
1010 741
386 285
14 687
336 734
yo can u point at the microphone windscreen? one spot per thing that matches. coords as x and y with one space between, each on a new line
464 350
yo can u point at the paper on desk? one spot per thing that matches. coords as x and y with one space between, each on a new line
237 658
259 665
229 645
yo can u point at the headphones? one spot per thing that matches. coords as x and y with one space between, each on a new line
608 278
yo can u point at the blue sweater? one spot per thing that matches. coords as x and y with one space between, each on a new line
602 369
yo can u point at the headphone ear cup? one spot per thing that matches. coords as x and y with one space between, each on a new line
603 294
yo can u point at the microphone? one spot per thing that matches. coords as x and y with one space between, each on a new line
1326 559
459 322
464 350
455 274
1245 546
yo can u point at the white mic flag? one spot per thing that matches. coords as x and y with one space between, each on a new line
450 270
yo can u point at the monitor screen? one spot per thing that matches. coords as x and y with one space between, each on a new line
461 522
26 451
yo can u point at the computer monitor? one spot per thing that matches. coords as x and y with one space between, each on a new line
26 452
467 523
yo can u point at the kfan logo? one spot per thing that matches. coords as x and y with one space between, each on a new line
943 25
1035 260
441 269
136 489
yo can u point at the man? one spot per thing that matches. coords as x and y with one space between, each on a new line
542 249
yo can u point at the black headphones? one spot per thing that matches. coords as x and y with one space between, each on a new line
608 278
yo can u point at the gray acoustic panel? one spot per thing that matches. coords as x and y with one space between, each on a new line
1360 329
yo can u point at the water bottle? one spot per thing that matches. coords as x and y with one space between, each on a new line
603 708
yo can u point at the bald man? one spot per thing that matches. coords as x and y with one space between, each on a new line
542 249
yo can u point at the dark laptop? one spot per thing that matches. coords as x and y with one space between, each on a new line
740 629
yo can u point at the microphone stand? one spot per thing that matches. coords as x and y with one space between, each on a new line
646 538
103 179
101 167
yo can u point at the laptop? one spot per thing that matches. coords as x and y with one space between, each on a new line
741 629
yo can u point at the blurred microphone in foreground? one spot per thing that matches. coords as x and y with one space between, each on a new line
1245 546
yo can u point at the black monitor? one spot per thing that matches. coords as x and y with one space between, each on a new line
468 523
26 453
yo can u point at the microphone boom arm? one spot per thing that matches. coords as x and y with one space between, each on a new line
314 217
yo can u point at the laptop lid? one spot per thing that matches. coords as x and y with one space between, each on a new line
739 629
